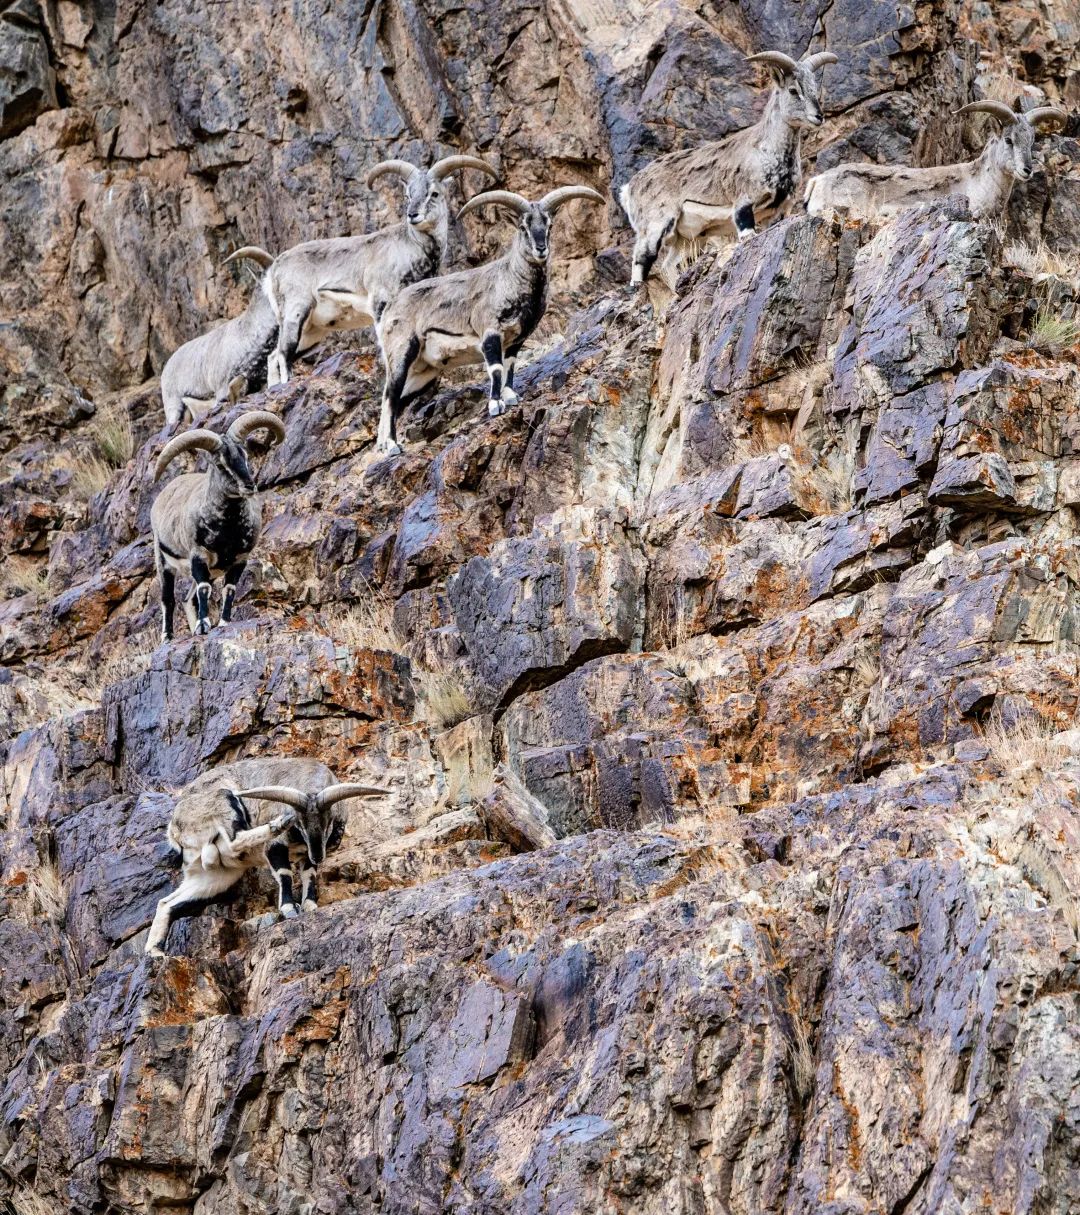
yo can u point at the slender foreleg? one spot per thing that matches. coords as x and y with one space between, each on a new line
278 857
232 576
200 572
492 348
745 225
397 373
168 594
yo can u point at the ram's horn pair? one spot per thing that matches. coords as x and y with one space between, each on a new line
789 66
1006 115
439 170
327 797
516 202
207 440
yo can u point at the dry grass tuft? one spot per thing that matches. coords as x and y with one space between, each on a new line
1053 330
366 624
112 435
1024 745
44 895
1041 260
442 699
801 1053
865 670
25 576
824 483
89 475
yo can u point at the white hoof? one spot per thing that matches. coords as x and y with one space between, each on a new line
310 905
510 397
202 628
495 408
746 233
156 953
636 277
386 447
288 911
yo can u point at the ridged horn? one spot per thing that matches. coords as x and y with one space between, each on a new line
190 440
338 793
564 194
502 198
401 167
257 419
1045 113
776 59
819 60
278 793
998 109
254 252
451 164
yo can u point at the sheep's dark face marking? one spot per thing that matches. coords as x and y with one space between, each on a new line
536 229
310 829
232 462
1013 150
800 98
424 202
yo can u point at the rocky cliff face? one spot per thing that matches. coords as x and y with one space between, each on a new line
761 616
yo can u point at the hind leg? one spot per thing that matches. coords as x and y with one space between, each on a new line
492 348
648 246
188 898
280 362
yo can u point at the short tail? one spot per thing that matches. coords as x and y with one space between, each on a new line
254 253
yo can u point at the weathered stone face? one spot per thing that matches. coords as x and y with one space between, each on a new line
729 862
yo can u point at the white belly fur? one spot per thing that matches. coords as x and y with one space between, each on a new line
336 312
697 219
447 350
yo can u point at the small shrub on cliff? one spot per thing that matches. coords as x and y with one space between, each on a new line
1040 259
442 700
1023 744
25 577
366 624
112 435
44 895
89 475
1053 330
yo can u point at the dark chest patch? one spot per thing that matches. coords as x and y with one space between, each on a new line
781 182
231 535
425 266
527 308
253 365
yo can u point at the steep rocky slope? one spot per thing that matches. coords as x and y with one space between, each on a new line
761 616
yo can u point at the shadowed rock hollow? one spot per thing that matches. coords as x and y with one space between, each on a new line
761 617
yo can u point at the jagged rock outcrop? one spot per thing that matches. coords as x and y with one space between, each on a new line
730 862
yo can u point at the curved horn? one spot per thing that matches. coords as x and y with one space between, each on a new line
450 164
278 793
502 198
338 793
257 419
1003 113
564 194
1045 113
255 253
401 167
191 440
819 60
775 59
